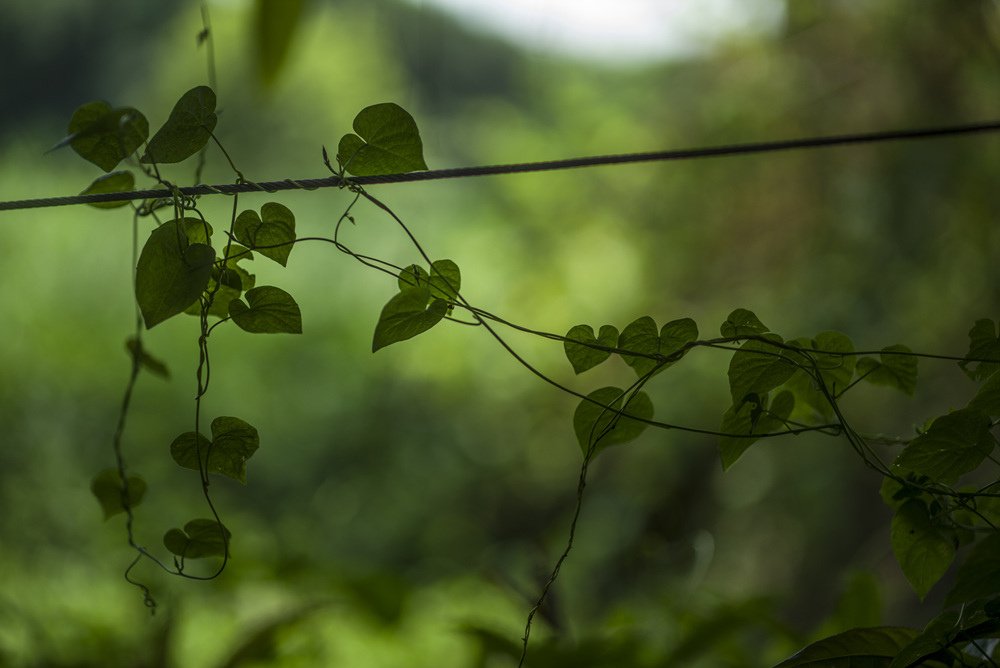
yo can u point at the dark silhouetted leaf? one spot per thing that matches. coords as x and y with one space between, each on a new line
105 136
857 648
271 310
987 399
107 487
979 575
984 344
187 129
173 269
641 336
757 368
271 234
233 443
115 182
954 444
922 550
583 357
751 417
593 423
742 322
445 280
387 142
407 315
895 368
200 538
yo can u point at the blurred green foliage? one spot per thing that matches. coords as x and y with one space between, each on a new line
406 506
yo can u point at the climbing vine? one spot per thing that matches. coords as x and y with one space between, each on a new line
941 482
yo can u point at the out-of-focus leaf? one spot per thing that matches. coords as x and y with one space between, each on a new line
274 25
107 488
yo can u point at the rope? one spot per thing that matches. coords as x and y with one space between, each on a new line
518 168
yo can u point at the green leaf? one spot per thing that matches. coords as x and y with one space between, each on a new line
896 368
640 336
200 538
233 443
387 142
445 280
407 315
107 487
591 421
836 370
147 361
271 311
271 234
115 182
954 444
741 323
105 136
857 648
187 129
583 357
987 399
173 269
983 344
949 629
274 26
413 276
979 575
754 418
758 367
922 550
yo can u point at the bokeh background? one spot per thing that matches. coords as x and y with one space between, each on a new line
404 508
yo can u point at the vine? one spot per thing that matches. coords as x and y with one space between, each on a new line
778 387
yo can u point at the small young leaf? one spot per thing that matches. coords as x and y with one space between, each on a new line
274 26
954 444
740 323
594 423
105 136
234 442
271 311
983 344
753 419
147 361
407 315
979 575
445 280
187 129
836 370
897 368
923 552
387 142
857 648
758 367
271 234
107 487
173 269
115 182
582 356
200 538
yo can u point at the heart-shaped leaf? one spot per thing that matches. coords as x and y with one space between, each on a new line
173 269
445 280
407 315
954 444
922 550
115 182
607 426
758 367
200 538
105 136
753 418
387 142
107 487
187 129
741 323
895 368
640 336
271 234
578 346
271 310
233 443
